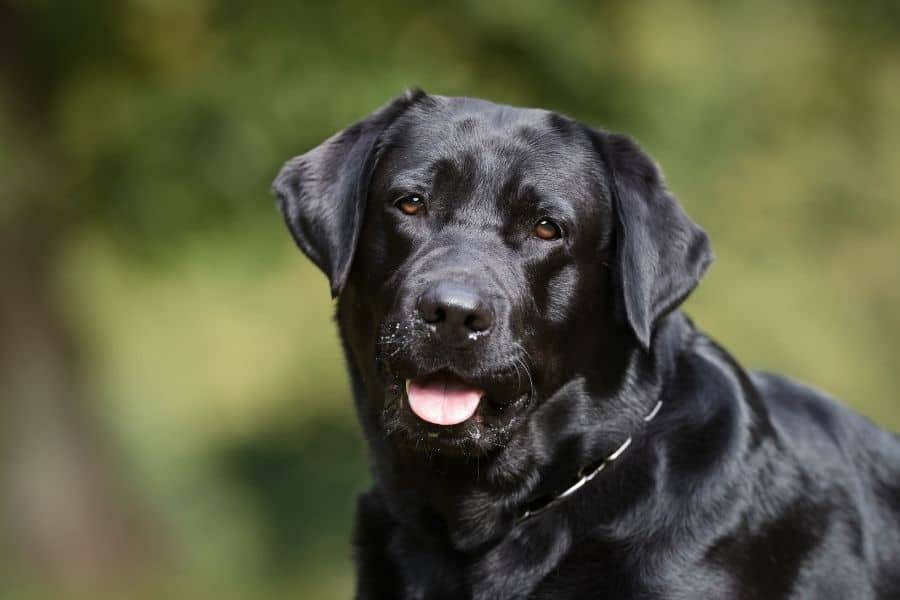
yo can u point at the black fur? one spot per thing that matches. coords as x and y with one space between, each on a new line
746 485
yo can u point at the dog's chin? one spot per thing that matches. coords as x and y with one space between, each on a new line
444 411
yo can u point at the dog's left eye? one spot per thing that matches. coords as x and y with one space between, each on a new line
410 205
547 230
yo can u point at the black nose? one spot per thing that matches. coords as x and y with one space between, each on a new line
455 310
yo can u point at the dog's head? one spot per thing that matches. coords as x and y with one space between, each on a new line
485 255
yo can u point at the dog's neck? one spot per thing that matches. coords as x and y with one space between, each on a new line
585 475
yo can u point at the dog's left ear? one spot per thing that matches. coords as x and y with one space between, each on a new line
322 194
661 254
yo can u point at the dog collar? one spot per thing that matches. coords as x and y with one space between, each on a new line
584 476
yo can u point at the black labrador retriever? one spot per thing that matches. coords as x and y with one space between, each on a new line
544 422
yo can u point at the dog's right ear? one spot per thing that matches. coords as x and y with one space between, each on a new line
322 194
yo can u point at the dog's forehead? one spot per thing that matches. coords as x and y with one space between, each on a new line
537 148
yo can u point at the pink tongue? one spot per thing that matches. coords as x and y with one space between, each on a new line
442 401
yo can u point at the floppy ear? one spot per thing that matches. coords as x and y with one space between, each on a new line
322 194
661 254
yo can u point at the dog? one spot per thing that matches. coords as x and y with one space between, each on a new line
543 419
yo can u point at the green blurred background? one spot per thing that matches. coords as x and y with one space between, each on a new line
175 414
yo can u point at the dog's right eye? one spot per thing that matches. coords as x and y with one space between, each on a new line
411 205
547 230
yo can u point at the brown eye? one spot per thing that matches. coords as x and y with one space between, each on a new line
547 230
411 205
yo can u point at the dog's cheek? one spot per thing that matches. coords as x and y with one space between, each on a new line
357 321
372 255
561 291
360 307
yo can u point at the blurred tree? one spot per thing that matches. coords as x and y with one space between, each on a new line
63 511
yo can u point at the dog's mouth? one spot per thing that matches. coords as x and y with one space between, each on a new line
443 398
455 412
